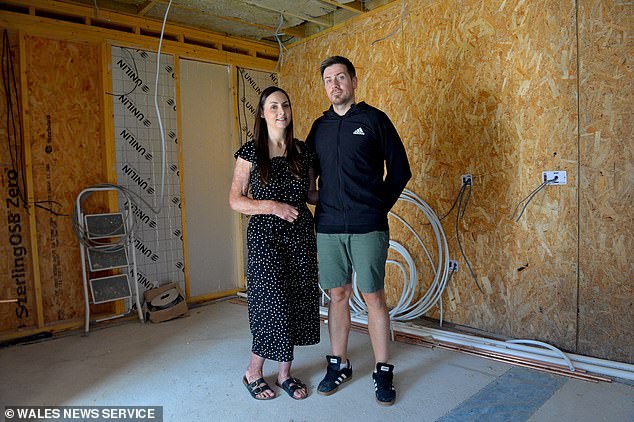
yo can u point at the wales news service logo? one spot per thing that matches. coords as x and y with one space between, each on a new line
84 413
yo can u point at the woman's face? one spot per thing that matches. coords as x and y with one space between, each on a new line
277 111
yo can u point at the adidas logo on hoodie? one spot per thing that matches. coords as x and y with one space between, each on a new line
359 131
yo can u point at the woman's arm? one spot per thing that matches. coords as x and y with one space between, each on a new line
313 193
240 202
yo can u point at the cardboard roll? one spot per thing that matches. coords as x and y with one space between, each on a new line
166 299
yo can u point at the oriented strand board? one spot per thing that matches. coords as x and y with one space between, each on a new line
606 229
65 119
16 269
487 88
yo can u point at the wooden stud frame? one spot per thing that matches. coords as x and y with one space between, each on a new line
54 20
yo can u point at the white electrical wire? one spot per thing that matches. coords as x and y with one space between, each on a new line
395 30
158 112
405 309
547 346
515 348
441 270
283 48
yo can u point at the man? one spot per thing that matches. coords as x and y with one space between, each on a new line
362 169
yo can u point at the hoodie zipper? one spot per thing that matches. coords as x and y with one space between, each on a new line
343 205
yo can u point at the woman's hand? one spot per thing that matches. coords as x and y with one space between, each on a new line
285 211
240 201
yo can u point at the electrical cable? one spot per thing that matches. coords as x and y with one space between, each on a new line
84 238
55 213
405 309
15 138
530 197
15 135
158 112
515 348
403 13
280 59
466 202
136 74
452 206
127 192
14 128
459 215
441 270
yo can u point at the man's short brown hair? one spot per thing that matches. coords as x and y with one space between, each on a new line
338 60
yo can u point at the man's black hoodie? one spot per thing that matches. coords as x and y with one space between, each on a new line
362 169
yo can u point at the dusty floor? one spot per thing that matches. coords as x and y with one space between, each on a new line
193 368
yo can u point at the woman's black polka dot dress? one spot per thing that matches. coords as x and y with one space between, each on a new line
283 294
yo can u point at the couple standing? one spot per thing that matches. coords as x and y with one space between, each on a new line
348 149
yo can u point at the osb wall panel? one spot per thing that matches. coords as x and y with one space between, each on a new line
606 229
487 88
65 118
16 268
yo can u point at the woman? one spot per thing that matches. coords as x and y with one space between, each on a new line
283 295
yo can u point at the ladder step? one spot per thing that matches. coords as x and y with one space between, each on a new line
107 289
106 257
101 226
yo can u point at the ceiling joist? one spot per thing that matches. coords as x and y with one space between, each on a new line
321 22
297 32
250 19
146 7
354 6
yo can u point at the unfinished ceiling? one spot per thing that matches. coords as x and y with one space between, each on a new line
265 20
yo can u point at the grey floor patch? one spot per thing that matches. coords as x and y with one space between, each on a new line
512 397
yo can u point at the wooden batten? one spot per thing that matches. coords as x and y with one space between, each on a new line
28 161
241 276
19 266
179 118
110 155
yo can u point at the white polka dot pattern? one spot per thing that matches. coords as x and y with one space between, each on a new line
283 294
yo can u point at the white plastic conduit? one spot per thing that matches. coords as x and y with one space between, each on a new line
406 310
511 348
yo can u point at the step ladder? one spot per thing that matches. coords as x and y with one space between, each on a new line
108 259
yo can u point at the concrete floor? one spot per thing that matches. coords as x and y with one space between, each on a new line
193 367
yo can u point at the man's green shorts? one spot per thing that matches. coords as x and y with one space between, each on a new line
338 254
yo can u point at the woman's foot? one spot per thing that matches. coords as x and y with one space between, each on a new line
293 387
259 390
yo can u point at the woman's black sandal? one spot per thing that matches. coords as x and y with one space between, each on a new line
291 385
257 387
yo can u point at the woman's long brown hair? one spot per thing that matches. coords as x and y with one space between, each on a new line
261 135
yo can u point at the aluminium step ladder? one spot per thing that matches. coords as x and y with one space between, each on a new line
107 247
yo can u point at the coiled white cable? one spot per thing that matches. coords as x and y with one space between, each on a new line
405 309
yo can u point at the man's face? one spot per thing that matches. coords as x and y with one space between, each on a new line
339 85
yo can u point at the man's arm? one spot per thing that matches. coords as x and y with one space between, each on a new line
396 162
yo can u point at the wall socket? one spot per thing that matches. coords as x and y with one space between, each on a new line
555 177
466 179
453 265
